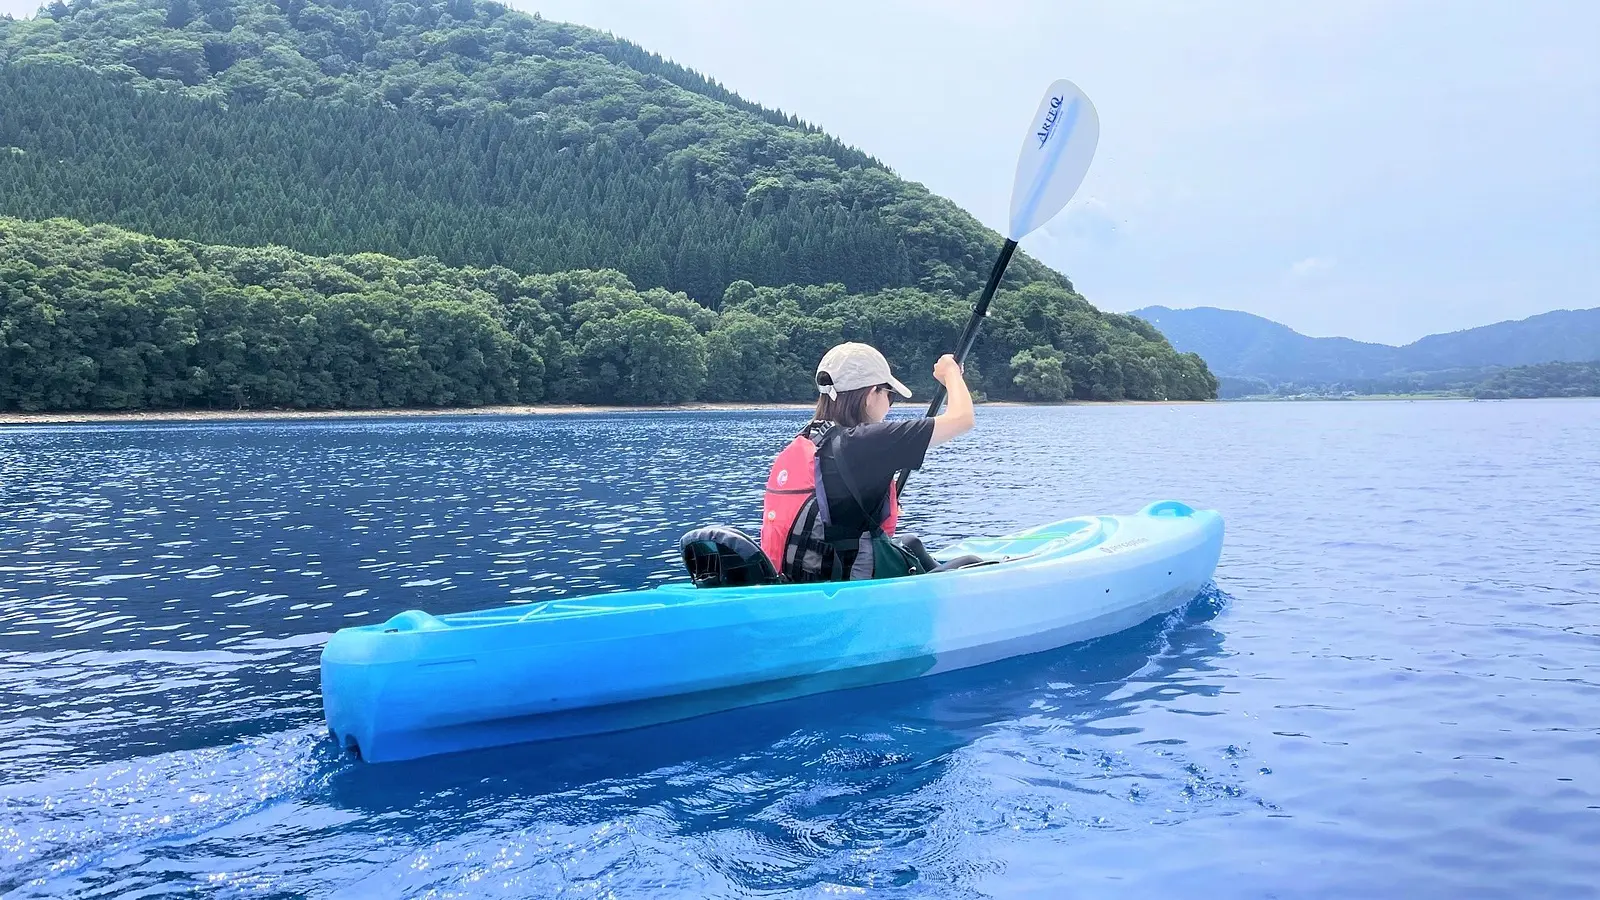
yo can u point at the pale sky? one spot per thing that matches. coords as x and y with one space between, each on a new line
1379 170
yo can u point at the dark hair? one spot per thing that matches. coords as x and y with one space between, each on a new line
849 410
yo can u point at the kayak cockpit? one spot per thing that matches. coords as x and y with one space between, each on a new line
1057 539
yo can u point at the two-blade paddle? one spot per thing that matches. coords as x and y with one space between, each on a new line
1055 157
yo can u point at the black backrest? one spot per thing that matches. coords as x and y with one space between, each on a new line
719 556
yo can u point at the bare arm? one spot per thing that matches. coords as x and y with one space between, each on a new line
957 418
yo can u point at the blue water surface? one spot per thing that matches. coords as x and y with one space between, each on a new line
1393 691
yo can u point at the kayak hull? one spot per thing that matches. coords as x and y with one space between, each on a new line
419 685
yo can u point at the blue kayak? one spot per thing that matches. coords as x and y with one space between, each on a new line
420 684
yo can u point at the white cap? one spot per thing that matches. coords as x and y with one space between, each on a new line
851 366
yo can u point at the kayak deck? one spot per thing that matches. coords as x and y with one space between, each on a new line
1056 538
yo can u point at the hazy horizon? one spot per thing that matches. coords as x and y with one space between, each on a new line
1363 340
1368 170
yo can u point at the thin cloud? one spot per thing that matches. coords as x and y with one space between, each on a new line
1310 266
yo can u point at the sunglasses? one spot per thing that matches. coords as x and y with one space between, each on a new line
890 391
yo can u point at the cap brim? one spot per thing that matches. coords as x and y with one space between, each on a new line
899 388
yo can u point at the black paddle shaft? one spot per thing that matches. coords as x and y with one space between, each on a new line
970 334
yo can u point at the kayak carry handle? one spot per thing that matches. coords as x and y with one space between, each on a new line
413 620
1173 508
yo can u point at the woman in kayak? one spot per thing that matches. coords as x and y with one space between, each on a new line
831 506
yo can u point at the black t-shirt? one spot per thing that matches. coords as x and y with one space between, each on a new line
873 454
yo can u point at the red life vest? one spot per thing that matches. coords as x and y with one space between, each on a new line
791 482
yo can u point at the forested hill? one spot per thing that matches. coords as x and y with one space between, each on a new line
459 129
96 317
1559 379
478 206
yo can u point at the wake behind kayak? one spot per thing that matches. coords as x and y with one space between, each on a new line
419 685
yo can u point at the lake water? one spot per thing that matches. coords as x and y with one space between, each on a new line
1393 691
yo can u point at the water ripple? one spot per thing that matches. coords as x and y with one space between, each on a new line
1394 697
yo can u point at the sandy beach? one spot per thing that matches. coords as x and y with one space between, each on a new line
211 415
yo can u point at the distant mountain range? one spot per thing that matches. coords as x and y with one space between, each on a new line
1241 347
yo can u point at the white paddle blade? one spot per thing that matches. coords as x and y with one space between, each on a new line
1055 157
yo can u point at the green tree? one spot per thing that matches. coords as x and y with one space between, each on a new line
1039 374
641 357
745 360
96 317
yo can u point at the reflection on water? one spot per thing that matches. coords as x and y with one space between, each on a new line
1377 695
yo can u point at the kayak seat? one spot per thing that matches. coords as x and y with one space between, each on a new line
719 556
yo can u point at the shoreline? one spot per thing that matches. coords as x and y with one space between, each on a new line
114 417
15 418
